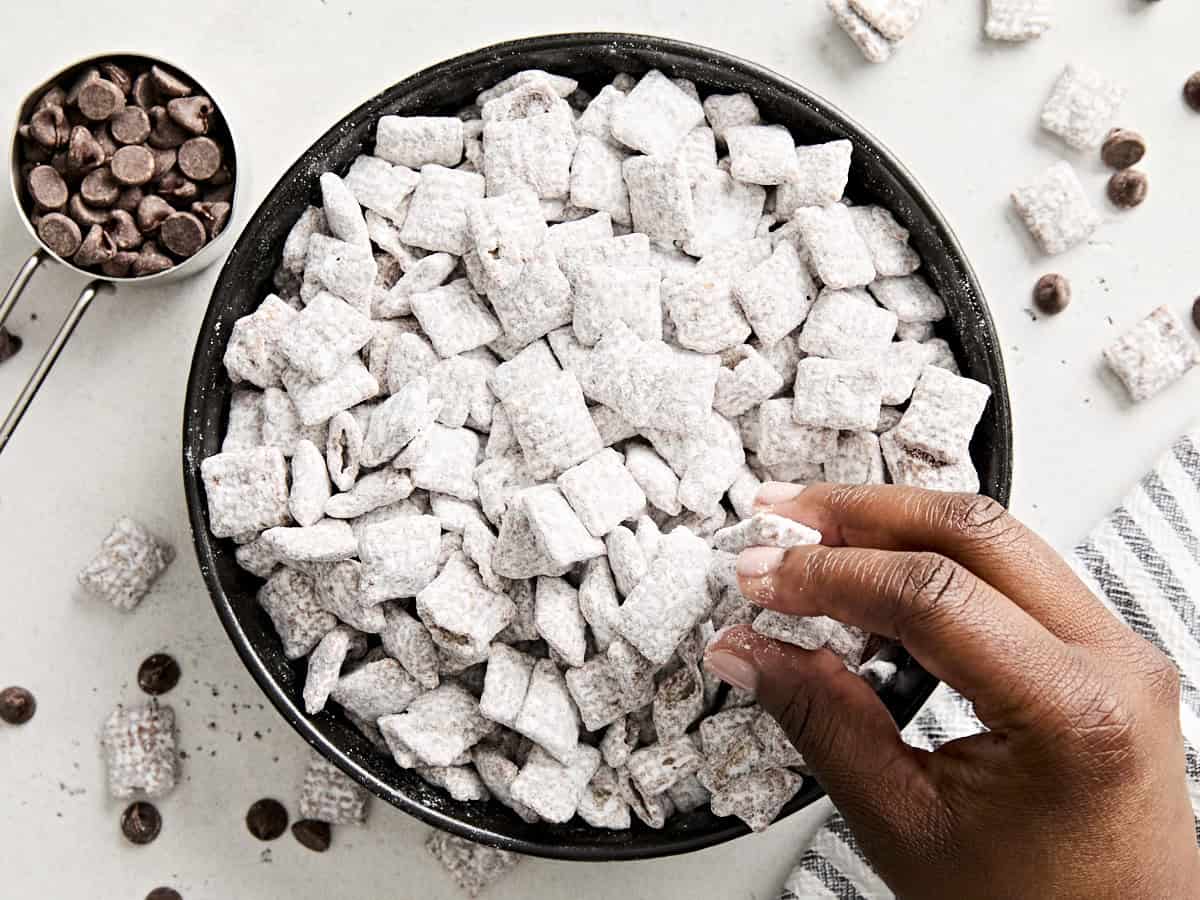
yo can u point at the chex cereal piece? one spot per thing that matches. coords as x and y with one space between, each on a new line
505 232
382 187
942 416
378 688
657 767
697 152
499 479
824 171
654 477
310 484
397 421
889 418
596 227
596 120
521 628
517 553
281 425
559 84
385 234
290 599
900 367
910 298
887 241
256 558
814 632
720 732
706 479
459 385
130 560
321 337
706 317
838 253
505 685
525 371
783 355
725 111
858 460
688 794
1152 355
648 536
761 154
552 425
776 295
533 152
247 491
655 116
917 469
651 811
670 600
461 611
553 788
611 425
873 45
407 640
597 180
604 294
602 804
942 355
560 535
498 773
777 747
724 210
410 356
343 450
745 381
460 782
244 429
782 439
319 401
660 197
619 741
834 393
427 273
416 141
479 545
343 215
626 558
325 665
757 798
623 251
472 866
327 541
330 795
1018 20
1081 107
536 303
558 620
454 318
602 492
344 269
1056 209
338 591
764 530
914 331
437 213
843 325
598 601
140 752
295 246
443 460
439 726
547 714
399 557
894 19
372 491
743 491
678 703
253 353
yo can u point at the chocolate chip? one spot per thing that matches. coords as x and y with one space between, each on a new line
1123 148
61 234
1196 312
49 127
267 819
200 158
120 265
169 85
85 215
175 186
86 77
56 96
192 113
10 344
133 165
105 140
141 823
17 705
1052 294
163 130
182 233
131 125
1191 91
151 261
129 199
123 230
158 674
84 152
164 160
100 188
152 212
312 834
144 93
60 163
222 178
31 150
223 194
47 188
215 216
164 893
99 99
1128 188
117 75
97 247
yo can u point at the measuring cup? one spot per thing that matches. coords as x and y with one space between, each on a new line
96 283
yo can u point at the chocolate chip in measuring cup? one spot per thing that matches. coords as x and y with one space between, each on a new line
84 152
164 132
60 233
99 99
192 113
131 125
49 127
85 215
118 75
169 85
182 233
164 893
47 188
152 212
215 216
100 188
86 77
174 185
164 160
151 260
200 158
129 199
132 165
141 822
123 230
55 96
120 265
17 705
105 140
97 247
144 93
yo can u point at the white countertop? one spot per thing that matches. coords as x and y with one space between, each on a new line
103 438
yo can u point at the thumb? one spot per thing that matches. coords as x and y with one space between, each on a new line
841 727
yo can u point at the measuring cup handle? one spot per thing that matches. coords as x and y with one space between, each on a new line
48 359
18 284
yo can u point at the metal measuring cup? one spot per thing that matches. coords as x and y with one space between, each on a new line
96 283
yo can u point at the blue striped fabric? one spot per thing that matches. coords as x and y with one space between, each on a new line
1143 561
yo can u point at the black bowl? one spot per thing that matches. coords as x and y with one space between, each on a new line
594 59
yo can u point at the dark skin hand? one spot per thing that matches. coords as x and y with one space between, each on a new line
1078 788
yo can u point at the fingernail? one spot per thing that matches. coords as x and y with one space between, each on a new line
758 562
732 670
771 493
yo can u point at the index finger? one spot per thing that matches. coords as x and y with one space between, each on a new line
973 530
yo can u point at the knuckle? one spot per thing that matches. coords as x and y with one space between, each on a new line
977 517
1159 675
1100 721
933 586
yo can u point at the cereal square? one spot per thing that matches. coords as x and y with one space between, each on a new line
724 211
725 111
382 187
604 294
552 425
900 366
506 682
916 469
253 353
537 302
846 325
553 788
1153 355
247 491
438 726
472 866
130 560
330 795
558 621
1082 106
910 298
660 197
505 232
762 154
874 46
560 535
461 612
443 459
942 416
378 688
417 141
345 270
707 319
1018 20
437 214
894 19
655 116
454 318
557 84
1056 209
757 798
824 171
887 241
838 253
399 557
858 460
597 181
602 492
290 599
319 401
781 439
746 380
323 336
777 294
841 394
533 152
548 715
140 751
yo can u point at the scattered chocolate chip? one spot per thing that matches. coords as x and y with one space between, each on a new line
85 215
200 158
84 152
192 113
1123 148
56 96
99 99
144 93
97 247
158 674
152 212
1196 312
123 229
49 127
61 234
1128 188
163 131
131 125
141 822
10 344
1052 294
117 75
1191 91
169 85
215 216
129 199
151 261
132 166
17 705
86 77
47 188
120 265
164 893
267 819
174 185
100 188
182 233
312 834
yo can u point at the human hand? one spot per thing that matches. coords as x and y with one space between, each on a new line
1078 787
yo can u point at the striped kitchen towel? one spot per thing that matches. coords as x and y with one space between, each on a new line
1143 561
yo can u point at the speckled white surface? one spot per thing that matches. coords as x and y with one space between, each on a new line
103 437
